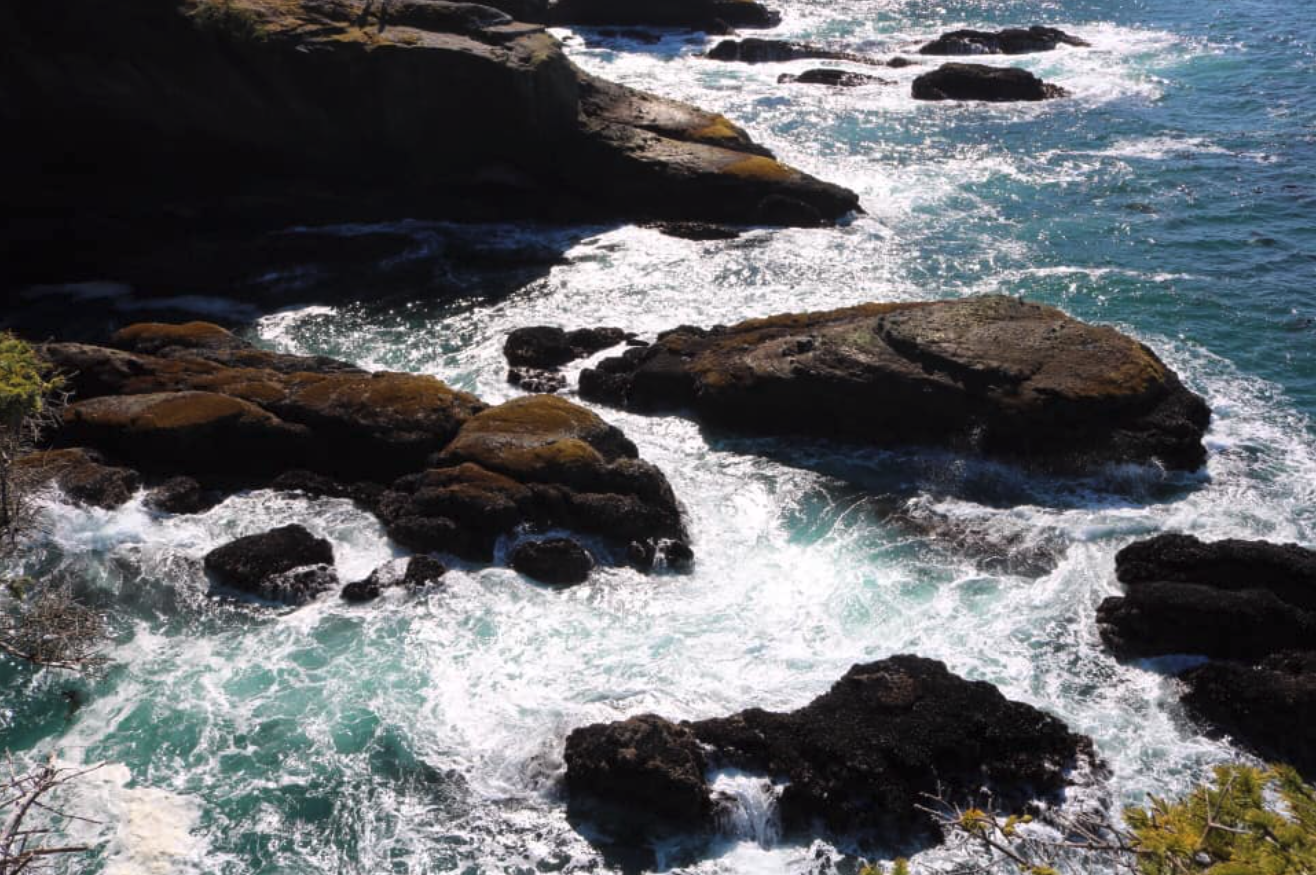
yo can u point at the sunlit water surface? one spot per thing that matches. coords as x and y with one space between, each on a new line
1171 196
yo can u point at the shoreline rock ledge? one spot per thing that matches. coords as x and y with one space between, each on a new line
229 113
989 375
857 759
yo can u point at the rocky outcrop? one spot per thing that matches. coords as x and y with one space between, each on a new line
224 114
559 561
982 82
287 564
546 346
833 77
1269 708
713 16
1011 41
82 475
1229 599
855 762
444 471
771 51
539 460
989 375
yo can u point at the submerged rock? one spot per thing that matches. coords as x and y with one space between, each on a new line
1011 41
83 475
559 561
990 375
770 51
833 77
1229 599
982 82
286 564
1269 708
856 761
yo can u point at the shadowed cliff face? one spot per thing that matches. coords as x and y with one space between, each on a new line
153 112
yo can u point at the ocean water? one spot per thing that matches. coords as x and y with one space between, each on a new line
1172 196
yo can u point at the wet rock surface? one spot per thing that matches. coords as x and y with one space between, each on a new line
287 564
1228 599
982 82
443 470
990 375
856 760
768 51
1269 708
834 78
559 561
1011 41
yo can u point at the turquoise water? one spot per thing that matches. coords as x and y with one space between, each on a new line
1171 196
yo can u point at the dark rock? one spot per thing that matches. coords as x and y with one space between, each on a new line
857 760
714 16
1287 570
642 777
1011 41
422 571
981 82
769 51
264 564
83 475
536 381
694 231
544 346
1269 708
833 77
989 375
180 495
1228 599
560 561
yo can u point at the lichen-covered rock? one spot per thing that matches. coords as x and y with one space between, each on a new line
642 777
286 564
1229 599
560 561
989 375
1269 708
856 762
982 82
83 475
769 51
1011 41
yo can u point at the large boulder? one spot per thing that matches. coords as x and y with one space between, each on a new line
1011 41
1269 708
287 564
770 51
856 762
714 16
641 777
982 82
538 459
990 375
1229 599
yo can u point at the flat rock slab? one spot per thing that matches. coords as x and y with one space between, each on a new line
856 761
991 375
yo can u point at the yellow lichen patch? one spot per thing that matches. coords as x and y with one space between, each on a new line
758 167
720 128
188 334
